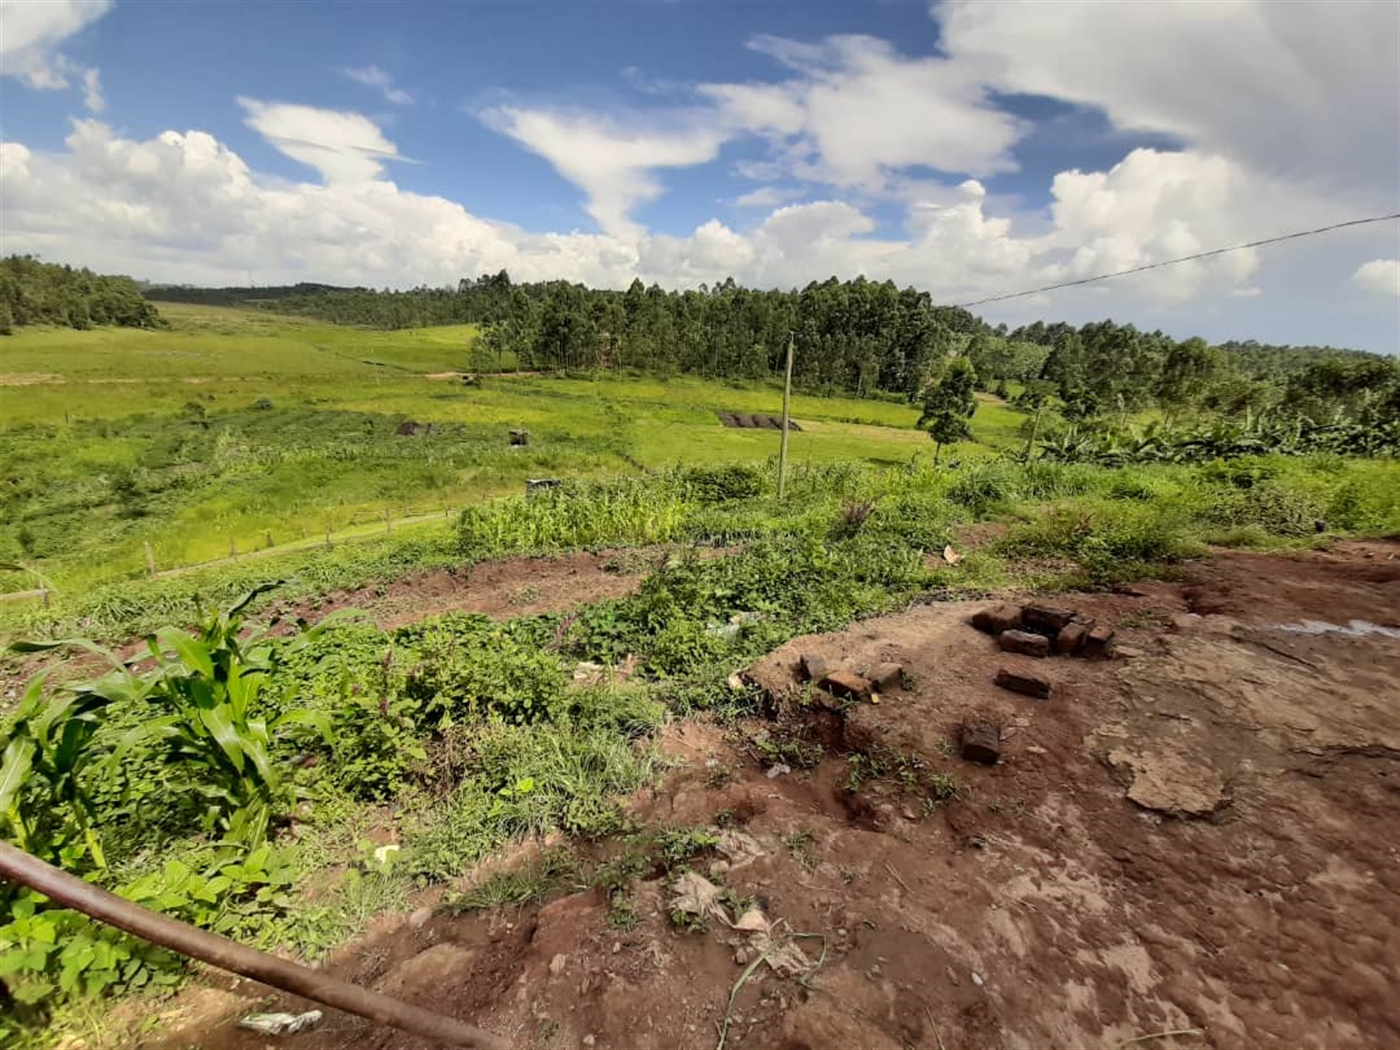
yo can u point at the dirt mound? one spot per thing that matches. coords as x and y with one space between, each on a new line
1193 837
755 421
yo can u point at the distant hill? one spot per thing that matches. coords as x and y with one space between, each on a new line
237 296
34 292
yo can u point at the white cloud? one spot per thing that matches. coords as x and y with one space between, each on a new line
374 77
1306 90
770 197
342 146
859 111
30 36
93 98
1381 276
610 159
855 114
184 207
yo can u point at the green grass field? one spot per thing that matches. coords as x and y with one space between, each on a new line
113 439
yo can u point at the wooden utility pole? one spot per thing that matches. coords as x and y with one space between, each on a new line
787 406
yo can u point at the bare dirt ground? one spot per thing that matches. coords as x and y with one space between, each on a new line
503 588
1250 898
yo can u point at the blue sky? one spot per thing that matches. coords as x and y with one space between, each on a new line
966 148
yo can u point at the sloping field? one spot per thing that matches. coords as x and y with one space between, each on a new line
237 431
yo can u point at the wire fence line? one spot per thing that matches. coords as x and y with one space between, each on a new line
1181 259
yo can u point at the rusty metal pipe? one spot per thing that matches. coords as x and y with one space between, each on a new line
97 903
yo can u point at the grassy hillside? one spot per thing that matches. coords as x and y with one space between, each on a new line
237 429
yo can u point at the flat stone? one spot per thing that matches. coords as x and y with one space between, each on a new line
1025 683
1171 784
846 686
886 677
997 619
1045 618
814 666
435 967
1098 644
979 742
1071 638
1024 642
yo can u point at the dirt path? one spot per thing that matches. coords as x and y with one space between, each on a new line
1041 906
506 587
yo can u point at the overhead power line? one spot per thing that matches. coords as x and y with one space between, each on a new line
1182 259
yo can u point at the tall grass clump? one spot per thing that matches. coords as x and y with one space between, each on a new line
619 512
1111 540
526 780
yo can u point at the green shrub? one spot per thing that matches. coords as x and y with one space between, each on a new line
457 678
1276 509
684 644
982 487
527 780
1110 540
720 484
619 512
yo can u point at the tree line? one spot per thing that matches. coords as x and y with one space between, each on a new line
868 338
861 337
34 292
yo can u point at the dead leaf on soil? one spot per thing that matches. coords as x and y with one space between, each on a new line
740 847
696 895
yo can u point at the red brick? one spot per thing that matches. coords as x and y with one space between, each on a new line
886 677
1099 644
997 619
1024 642
1025 683
846 686
1045 619
980 743
815 666
1071 638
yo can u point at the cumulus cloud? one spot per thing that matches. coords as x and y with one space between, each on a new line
1306 90
30 40
1381 276
858 110
869 162
770 196
855 113
383 82
342 146
610 158
185 207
